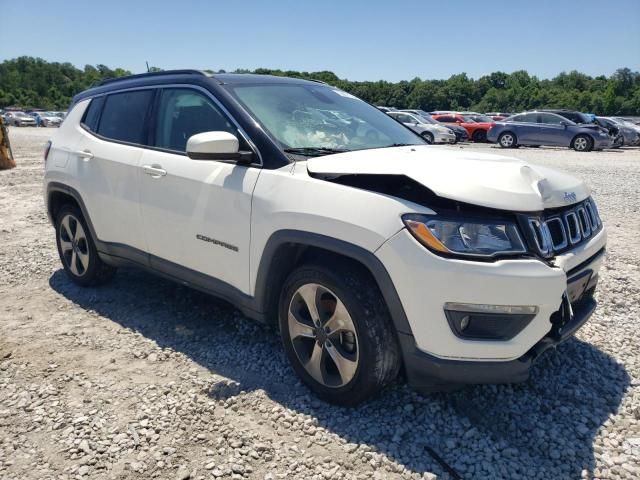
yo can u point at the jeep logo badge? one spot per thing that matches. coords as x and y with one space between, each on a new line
570 197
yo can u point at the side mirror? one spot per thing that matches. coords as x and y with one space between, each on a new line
220 146
564 124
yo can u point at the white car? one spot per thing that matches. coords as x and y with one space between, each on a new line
372 251
430 132
47 119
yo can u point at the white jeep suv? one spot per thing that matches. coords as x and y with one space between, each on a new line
304 206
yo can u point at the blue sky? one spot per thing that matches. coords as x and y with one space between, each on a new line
358 40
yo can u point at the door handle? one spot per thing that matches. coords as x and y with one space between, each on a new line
84 154
154 170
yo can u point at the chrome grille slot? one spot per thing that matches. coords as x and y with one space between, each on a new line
593 218
573 227
558 233
585 226
541 235
561 230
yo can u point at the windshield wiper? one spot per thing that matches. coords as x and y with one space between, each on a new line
314 151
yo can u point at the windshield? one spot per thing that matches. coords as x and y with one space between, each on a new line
320 117
22 115
468 118
427 119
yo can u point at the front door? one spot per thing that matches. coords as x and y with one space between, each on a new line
195 213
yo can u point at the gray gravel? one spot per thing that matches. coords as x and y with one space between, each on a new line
144 378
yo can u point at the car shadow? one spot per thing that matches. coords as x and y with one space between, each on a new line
548 423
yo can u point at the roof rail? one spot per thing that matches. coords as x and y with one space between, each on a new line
149 74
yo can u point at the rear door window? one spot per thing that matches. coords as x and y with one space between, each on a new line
405 118
551 119
124 116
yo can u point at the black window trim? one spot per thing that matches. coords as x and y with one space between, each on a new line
152 111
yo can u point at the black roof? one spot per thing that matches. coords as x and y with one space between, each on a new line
249 78
185 76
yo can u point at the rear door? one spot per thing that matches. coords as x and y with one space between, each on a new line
195 213
107 157
527 129
553 132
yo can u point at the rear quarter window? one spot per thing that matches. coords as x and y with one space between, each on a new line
92 114
124 116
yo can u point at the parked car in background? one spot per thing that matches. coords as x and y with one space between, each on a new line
47 119
543 128
627 123
620 133
20 119
477 130
386 109
498 115
430 132
460 133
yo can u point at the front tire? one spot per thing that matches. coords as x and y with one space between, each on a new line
582 143
337 333
507 140
428 137
77 249
480 136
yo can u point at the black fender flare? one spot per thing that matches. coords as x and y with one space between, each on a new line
340 247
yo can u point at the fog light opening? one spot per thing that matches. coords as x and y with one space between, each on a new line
488 322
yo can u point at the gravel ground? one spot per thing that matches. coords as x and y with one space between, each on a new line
144 378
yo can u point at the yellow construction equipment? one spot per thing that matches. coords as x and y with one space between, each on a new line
6 156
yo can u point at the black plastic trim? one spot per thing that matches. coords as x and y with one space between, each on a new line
359 254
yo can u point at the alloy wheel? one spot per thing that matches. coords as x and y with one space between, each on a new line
506 140
581 144
74 245
323 335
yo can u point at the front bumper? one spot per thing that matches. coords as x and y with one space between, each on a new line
602 142
428 373
425 282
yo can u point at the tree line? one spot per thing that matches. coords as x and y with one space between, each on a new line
33 82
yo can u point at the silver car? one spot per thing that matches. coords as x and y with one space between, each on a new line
20 119
430 132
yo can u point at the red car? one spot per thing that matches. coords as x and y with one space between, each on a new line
476 124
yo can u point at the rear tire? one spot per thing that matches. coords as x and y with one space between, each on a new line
479 136
347 321
582 143
77 249
507 140
428 137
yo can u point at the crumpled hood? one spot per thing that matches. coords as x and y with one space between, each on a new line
481 179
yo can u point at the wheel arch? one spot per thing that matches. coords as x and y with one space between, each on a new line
59 194
287 249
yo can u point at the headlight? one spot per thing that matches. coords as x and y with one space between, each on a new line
474 238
